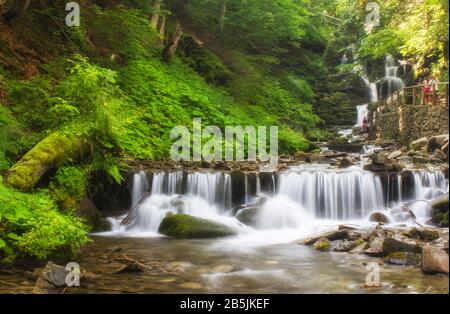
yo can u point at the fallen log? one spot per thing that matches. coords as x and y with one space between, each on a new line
51 152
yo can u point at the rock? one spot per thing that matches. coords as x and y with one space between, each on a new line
434 260
379 217
419 144
375 247
360 248
222 167
404 162
417 159
403 258
344 163
349 148
439 154
422 233
439 210
436 142
188 227
391 245
381 158
223 269
323 244
89 212
330 235
248 216
132 266
345 227
52 279
113 249
395 154
346 246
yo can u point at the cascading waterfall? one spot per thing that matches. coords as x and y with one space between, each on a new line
140 186
303 197
363 111
392 80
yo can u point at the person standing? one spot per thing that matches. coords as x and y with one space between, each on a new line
425 92
434 88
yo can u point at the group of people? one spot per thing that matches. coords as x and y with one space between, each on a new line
430 88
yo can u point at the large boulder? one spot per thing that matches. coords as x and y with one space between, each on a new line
52 280
429 234
344 163
330 235
434 260
419 144
384 246
436 142
188 227
248 215
439 210
403 259
379 217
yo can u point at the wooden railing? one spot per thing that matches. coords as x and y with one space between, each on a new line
416 96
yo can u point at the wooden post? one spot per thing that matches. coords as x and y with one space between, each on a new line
446 95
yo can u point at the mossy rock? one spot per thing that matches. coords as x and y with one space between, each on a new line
183 226
439 208
323 244
403 259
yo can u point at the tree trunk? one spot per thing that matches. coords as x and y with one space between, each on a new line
172 47
49 153
25 6
223 13
155 16
162 29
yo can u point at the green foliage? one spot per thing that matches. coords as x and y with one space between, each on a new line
69 187
31 226
10 138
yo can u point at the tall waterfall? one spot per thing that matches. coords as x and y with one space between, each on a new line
392 81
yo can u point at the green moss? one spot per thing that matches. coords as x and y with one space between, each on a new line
189 227
69 187
323 244
51 152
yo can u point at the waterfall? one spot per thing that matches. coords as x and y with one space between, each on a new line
392 80
363 111
215 188
140 187
301 198
337 195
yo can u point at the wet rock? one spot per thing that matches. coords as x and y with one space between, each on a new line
113 249
323 244
52 280
439 210
418 159
395 154
348 148
248 216
379 217
345 227
429 234
440 155
188 227
89 212
419 144
330 235
344 163
391 245
436 142
222 167
403 259
346 246
434 260
375 247
360 248
223 269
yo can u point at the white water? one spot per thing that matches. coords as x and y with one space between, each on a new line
392 78
363 111
306 200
